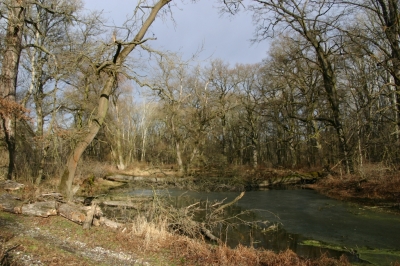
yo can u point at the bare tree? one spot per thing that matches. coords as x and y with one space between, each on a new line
113 68
380 40
222 84
248 89
318 23
47 23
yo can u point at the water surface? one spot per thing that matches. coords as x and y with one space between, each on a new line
307 215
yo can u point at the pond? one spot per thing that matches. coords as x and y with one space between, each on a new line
310 224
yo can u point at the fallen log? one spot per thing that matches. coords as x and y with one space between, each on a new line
89 217
83 215
97 213
41 209
11 185
110 223
129 178
72 213
120 178
10 203
115 203
52 195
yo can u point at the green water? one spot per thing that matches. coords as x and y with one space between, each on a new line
308 223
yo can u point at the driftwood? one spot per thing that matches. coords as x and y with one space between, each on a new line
41 209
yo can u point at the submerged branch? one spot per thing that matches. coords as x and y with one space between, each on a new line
228 204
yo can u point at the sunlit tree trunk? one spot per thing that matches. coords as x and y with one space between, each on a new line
9 74
67 178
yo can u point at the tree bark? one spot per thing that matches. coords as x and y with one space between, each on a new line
67 178
9 74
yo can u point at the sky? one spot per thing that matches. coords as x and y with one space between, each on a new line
197 25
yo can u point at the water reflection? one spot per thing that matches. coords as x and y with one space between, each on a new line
300 215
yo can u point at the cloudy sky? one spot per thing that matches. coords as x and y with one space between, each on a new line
200 24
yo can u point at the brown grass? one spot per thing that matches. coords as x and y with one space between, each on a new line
373 188
195 252
182 250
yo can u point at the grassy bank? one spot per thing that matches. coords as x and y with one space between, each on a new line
56 241
373 191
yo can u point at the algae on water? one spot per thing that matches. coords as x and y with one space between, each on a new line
373 256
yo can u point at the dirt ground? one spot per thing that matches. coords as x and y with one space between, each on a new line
57 241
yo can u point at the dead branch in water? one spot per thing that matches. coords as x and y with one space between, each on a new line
228 204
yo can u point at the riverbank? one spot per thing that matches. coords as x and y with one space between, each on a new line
374 192
55 240
27 240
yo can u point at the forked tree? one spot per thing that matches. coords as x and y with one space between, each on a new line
113 68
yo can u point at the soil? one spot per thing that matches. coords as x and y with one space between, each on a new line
57 241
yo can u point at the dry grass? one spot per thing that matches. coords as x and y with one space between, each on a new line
151 234
144 169
375 186
188 251
196 252
147 240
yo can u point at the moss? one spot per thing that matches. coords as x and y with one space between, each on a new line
316 243
373 256
314 174
7 216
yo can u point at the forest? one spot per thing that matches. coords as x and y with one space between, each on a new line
326 95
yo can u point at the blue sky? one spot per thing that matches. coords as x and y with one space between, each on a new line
224 37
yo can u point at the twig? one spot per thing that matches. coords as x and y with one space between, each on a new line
194 204
228 204
4 254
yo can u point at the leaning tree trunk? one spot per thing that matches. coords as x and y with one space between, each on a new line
9 73
67 178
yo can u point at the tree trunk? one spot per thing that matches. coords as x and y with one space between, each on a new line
120 137
143 152
179 157
329 79
9 74
67 178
